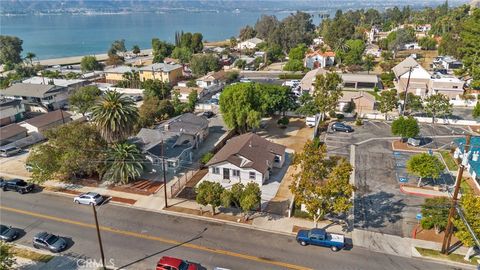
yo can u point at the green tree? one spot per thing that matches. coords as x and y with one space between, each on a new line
7 257
427 43
160 50
470 45
119 46
476 110
124 162
295 29
266 25
276 99
84 98
240 63
244 197
90 63
437 105
236 101
233 42
209 193
10 50
387 102
154 110
192 100
470 206
413 102
115 115
30 56
435 213
353 56
327 92
369 63
294 65
156 88
197 42
231 76
183 54
425 166
201 64
131 79
60 157
307 105
405 127
136 50
247 32
321 184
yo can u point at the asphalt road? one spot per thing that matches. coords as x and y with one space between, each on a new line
136 239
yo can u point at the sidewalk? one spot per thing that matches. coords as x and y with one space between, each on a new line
423 192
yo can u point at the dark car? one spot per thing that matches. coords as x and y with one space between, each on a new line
49 241
213 101
339 126
7 233
170 263
208 114
17 185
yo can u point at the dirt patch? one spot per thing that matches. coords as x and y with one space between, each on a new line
293 137
123 200
140 187
430 235
188 192
401 146
296 228
475 129
220 216
63 190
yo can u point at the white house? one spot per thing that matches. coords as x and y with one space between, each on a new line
211 80
249 43
412 46
318 59
184 92
38 97
245 158
419 77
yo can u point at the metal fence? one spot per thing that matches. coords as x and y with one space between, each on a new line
180 182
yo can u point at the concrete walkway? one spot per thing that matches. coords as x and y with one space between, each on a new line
423 192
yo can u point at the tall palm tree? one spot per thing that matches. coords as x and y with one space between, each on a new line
123 163
30 56
341 46
115 115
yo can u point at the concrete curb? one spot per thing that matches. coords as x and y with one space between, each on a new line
418 193
417 255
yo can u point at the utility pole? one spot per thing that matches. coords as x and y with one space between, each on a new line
98 235
449 230
406 91
164 175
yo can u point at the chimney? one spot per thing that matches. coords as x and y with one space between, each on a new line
166 127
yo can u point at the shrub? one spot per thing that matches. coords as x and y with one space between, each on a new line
340 116
283 121
291 76
358 122
206 158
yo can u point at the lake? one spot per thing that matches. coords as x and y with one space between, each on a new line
53 36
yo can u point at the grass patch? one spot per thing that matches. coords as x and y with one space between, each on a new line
451 164
450 257
31 255
465 187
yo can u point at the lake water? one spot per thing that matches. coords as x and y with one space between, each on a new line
71 35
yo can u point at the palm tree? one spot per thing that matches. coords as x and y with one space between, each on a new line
115 115
341 46
123 163
30 56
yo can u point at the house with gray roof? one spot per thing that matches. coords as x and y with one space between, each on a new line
175 140
168 73
11 111
38 97
245 158
12 133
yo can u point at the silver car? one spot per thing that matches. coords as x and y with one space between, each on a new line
91 198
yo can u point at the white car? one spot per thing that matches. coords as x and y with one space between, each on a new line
91 198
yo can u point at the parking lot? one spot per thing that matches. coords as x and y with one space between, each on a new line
379 204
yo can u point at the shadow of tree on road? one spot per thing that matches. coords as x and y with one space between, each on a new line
374 210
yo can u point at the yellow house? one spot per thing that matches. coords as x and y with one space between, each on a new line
115 75
160 71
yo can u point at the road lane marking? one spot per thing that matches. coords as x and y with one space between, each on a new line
156 238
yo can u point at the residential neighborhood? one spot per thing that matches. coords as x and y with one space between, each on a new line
340 139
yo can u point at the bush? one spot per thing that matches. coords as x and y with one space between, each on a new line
358 122
291 76
206 158
332 114
340 116
283 121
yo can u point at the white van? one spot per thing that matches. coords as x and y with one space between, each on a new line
311 121
9 151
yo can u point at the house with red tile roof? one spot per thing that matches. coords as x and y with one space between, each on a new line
318 59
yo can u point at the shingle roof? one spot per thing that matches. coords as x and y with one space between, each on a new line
120 69
259 151
307 80
319 52
30 90
404 66
349 95
11 130
364 78
48 118
161 67
187 123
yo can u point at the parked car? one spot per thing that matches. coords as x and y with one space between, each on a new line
7 233
319 237
208 114
91 198
170 263
9 151
137 98
414 142
311 121
49 242
339 126
213 101
17 185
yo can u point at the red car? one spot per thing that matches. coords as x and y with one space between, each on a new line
170 263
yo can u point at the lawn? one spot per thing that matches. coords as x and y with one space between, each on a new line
451 257
450 162
31 255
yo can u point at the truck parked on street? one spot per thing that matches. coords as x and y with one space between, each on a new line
319 237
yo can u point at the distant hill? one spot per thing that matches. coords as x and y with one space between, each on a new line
116 6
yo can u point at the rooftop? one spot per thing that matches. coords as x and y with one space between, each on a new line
120 69
11 130
49 118
161 67
254 40
404 66
319 52
59 82
309 78
187 123
31 90
9 102
258 152
153 140
365 78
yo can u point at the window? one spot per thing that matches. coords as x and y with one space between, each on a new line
276 159
455 87
215 170
252 175
236 173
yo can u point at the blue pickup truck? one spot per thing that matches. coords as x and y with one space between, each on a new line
319 237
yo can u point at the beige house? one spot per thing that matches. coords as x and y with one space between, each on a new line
450 86
419 77
361 102
185 91
115 75
167 73
212 79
